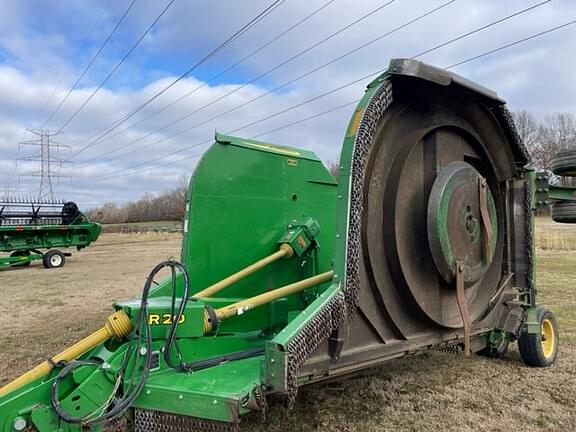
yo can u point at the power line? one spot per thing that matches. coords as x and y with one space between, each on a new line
479 29
213 78
353 51
269 71
511 44
111 175
115 68
75 58
208 141
227 42
306 74
312 117
195 155
89 65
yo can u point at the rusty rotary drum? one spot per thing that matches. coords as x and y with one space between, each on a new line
433 168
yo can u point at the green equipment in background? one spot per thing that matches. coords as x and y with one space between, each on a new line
33 230
287 277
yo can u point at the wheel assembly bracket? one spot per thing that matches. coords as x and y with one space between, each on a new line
531 323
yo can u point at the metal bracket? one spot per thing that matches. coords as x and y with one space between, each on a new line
532 323
463 305
275 368
335 344
486 223
301 235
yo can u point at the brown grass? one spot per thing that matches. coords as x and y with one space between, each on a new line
46 310
554 236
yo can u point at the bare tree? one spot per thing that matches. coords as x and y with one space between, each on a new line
169 205
180 193
557 134
528 129
108 213
334 168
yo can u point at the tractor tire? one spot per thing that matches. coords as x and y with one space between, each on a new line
540 349
563 211
53 259
495 352
564 163
20 253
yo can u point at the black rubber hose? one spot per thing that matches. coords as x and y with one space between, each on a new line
121 404
176 316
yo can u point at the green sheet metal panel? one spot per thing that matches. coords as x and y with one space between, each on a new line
25 237
241 198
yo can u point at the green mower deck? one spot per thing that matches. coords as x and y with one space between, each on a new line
287 277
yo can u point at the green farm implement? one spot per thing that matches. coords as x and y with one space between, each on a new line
288 277
28 227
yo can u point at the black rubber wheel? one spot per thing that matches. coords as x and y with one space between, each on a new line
53 259
563 211
21 253
497 351
564 163
540 349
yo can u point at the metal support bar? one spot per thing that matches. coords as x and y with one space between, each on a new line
285 251
245 305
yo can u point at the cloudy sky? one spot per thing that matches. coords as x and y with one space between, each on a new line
254 86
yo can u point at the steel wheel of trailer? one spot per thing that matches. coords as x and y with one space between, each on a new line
53 259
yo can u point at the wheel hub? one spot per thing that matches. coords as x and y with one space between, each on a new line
455 223
547 338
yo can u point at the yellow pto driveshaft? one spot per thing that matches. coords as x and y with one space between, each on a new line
267 297
285 251
117 325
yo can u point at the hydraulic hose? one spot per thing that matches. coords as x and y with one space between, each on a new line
118 404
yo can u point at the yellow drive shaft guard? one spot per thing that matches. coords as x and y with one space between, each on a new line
117 325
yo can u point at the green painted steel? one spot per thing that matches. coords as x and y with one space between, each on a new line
242 197
20 260
245 198
28 238
345 179
546 193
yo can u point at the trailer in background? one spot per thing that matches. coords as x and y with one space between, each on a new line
37 230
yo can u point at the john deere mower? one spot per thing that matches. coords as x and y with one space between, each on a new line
287 277
29 226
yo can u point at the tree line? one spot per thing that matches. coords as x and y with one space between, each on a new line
168 205
543 139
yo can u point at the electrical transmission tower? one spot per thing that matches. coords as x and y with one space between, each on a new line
47 158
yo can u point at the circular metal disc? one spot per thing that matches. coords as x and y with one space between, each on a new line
455 225
401 291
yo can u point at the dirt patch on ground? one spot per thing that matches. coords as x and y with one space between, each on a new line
47 310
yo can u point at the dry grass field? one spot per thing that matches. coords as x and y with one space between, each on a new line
46 310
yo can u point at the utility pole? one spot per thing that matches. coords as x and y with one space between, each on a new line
46 156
